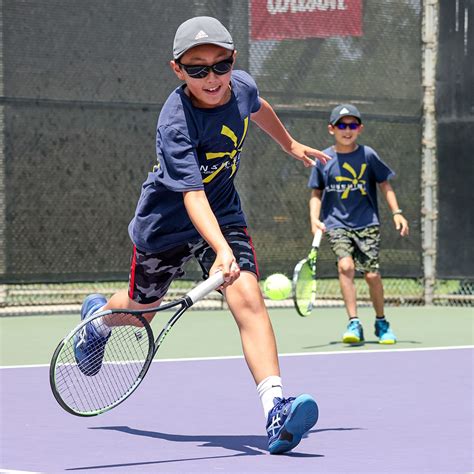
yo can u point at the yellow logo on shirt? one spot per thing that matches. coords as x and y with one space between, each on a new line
355 182
232 161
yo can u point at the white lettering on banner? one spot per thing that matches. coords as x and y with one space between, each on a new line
301 6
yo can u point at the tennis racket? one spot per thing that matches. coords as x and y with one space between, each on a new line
97 385
304 279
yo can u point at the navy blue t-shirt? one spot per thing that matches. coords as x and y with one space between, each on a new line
349 182
196 149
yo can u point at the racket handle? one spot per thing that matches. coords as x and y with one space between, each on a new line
317 238
201 290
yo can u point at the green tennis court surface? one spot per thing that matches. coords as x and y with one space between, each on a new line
30 340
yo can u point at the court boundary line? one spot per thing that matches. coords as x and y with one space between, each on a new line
289 354
10 471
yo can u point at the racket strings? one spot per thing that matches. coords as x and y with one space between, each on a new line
126 352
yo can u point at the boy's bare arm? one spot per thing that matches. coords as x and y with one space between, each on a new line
315 210
399 220
268 121
205 222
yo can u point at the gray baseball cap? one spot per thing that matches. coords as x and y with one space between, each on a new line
201 30
344 110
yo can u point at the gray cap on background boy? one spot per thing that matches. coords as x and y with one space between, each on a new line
344 110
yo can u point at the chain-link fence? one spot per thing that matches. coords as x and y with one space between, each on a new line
83 84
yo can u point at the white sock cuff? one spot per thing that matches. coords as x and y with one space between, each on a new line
267 390
272 381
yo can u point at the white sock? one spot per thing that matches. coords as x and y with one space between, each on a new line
267 390
100 326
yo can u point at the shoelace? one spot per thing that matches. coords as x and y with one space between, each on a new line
353 325
281 403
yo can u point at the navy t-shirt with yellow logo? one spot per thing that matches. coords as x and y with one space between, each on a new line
197 149
349 182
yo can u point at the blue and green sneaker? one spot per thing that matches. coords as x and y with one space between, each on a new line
354 333
384 333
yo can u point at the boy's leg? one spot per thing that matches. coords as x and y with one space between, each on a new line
367 261
246 303
287 419
354 333
374 282
382 326
122 300
342 245
346 272
366 256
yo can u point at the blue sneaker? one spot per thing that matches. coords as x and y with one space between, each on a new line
383 332
289 420
89 346
354 333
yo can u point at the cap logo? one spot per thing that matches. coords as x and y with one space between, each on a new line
201 34
344 111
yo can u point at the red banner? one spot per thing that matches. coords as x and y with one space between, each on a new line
296 19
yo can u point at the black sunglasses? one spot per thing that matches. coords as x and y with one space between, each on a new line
197 71
343 126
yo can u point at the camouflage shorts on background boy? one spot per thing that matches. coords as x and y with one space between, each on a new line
361 244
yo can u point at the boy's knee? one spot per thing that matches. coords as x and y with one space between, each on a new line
250 304
346 266
372 277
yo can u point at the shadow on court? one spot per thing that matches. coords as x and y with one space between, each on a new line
250 445
343 345
245 445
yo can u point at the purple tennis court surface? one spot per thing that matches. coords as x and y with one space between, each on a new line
379 412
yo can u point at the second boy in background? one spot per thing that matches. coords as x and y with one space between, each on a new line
343 203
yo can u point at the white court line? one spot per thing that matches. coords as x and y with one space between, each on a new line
10 471
290 354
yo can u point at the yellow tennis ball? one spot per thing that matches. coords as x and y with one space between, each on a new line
277 286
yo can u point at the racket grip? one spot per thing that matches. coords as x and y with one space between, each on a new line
201 290
317 238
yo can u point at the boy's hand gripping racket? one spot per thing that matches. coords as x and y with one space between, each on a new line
95 385
304 279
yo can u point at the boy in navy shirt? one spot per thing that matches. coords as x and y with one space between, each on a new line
189 207
343 203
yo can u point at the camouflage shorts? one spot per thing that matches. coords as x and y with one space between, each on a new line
362 245
152 273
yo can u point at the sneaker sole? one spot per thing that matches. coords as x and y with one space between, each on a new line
351 339
304 415
388 341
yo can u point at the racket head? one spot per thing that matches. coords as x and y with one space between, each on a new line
303 288
127 356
